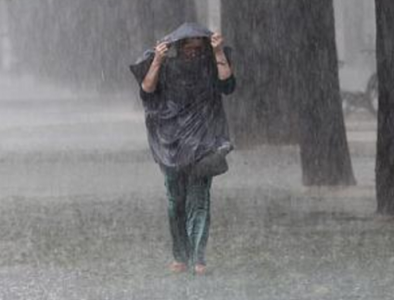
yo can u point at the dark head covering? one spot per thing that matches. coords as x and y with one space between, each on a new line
186 30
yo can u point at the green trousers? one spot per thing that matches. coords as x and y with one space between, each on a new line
189 214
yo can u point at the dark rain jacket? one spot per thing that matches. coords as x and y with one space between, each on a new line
184 116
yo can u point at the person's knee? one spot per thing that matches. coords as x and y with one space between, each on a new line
198 199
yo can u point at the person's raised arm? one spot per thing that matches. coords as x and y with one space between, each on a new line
224 68
151 79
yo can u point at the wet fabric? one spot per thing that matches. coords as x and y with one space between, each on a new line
189 215
185 118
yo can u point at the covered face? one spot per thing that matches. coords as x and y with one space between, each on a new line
192 47
190 40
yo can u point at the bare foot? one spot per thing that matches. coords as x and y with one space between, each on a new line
178 267
200 269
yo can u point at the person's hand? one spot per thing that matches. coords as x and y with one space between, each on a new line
217 42
161 51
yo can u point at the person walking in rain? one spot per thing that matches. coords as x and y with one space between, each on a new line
181 85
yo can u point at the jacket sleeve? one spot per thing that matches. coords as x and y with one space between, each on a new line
227 86
146 97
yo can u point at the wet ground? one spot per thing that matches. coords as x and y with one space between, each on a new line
83 213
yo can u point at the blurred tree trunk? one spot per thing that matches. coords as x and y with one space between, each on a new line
385 144
262 109
323 144
288 87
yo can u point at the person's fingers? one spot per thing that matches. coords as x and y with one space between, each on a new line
216 35
216 39
159 48
217 42
162 50
165 47
161 45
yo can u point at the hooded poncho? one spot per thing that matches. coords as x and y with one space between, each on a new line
184 116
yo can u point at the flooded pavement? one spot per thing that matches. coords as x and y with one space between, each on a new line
83 216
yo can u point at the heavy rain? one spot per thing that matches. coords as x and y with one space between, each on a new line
305 208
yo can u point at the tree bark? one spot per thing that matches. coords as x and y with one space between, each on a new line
288 87
324 150
262 109
385 142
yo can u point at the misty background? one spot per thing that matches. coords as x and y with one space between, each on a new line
91 45
83 205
